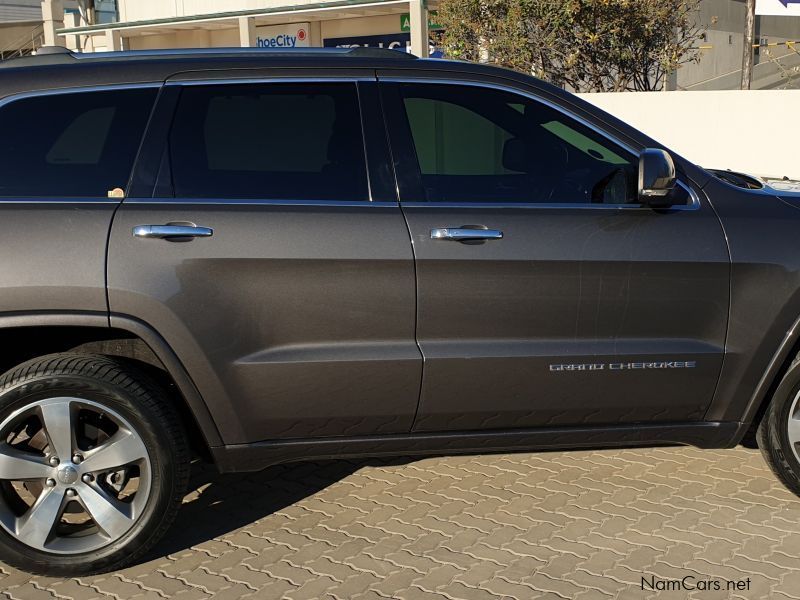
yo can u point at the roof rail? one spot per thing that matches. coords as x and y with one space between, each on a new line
56 55
366 52
49 50
46 55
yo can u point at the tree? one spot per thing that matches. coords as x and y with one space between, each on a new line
586 45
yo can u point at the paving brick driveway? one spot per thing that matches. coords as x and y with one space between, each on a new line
575 525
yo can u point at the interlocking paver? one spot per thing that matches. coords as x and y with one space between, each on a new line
567 525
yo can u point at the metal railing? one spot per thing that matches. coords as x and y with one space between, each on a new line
24 45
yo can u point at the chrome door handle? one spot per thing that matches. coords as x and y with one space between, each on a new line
465 233
172 231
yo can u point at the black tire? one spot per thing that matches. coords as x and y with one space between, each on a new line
122 388
773 437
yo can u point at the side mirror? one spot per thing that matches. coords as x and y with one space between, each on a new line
656 177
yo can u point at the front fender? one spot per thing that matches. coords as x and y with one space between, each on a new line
763 326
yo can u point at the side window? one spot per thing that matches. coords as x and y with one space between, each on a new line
79 144
281 141
473 144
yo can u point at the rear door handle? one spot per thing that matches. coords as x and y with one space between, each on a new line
172 231
466 233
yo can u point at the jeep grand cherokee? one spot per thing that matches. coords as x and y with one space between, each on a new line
270 256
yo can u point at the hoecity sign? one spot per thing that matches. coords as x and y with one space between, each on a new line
283 36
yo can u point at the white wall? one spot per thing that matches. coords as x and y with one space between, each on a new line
201 38
752 131
137 10
357 26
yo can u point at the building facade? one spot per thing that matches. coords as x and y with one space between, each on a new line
21 28
719 68
149 24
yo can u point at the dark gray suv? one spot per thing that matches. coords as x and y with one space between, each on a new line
270 256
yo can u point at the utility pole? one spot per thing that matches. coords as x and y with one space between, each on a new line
749 37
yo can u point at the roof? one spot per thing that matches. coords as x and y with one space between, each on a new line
54 67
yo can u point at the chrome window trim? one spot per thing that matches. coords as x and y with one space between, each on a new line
267 79
259 202
77 90
61 200
695 199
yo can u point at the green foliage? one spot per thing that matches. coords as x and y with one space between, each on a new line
586 45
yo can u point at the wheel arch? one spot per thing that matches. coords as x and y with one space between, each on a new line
782 373
27 335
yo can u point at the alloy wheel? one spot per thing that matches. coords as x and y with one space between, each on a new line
74 475
794 427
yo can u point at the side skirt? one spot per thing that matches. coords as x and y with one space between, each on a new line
259 455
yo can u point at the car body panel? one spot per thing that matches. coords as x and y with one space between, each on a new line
296 321
253 457
556 323
59 245
765 289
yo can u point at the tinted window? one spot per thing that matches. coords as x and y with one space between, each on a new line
476 144
71 145
271 141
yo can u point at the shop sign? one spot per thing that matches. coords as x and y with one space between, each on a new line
405 21
393 41
283 36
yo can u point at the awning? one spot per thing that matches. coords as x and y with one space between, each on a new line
337 9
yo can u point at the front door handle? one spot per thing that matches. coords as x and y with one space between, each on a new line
466 233
172 231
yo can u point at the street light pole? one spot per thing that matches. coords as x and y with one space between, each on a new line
749 37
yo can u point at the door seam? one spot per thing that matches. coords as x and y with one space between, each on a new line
413 255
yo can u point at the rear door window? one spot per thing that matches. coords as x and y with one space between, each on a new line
80 144
292 141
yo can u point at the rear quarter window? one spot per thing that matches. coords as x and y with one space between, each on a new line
77 144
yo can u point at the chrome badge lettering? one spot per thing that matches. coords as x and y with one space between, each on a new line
582 367
627 366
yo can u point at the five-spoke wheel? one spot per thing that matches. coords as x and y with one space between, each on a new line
793 426
93 464
74 475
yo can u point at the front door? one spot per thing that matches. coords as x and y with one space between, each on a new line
273 257
546 295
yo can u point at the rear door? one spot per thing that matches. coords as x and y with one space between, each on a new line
284 280
546 295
